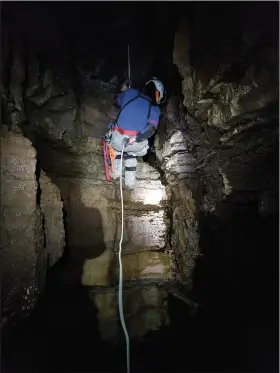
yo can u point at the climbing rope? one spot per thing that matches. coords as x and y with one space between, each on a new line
121 276
128 66
120 248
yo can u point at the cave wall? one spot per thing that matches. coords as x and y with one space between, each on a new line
93 223
230 73
51 206
175 158
64 109
21 224
218 140
230 85
27 227
231 92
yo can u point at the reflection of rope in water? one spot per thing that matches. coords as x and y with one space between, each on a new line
120 277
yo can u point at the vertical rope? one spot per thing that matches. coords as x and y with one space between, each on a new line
128 64
121 278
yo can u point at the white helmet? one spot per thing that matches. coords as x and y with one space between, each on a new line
160 89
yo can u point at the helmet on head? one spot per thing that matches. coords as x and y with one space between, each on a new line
160 91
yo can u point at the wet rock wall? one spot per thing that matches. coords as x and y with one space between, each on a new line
28 241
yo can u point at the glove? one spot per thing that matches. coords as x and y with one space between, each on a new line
125 141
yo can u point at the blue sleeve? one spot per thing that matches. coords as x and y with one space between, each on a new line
154 116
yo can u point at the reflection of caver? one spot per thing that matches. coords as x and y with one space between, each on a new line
136 122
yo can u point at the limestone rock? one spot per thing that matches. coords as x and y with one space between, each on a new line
149 190
45 90
50 104
239 75
67 162
97 109
63 103
52 210
175 149
21 225
145 264
51 124
185 238
145 231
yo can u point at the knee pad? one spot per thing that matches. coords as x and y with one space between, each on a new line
130 162
130 177
130 171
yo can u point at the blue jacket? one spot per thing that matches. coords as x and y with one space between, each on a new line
137 114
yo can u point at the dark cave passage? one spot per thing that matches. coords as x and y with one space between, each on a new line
201 247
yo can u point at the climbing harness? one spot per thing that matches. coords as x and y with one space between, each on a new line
112 154
109 152
106 160
109 158
139 95
120 300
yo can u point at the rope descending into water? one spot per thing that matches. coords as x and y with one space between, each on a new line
120 300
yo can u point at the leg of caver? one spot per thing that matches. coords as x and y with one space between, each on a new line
117 167
139 150
130 171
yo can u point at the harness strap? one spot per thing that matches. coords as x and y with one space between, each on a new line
128 156
127 103
112 154
130 168
124 132
106 158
